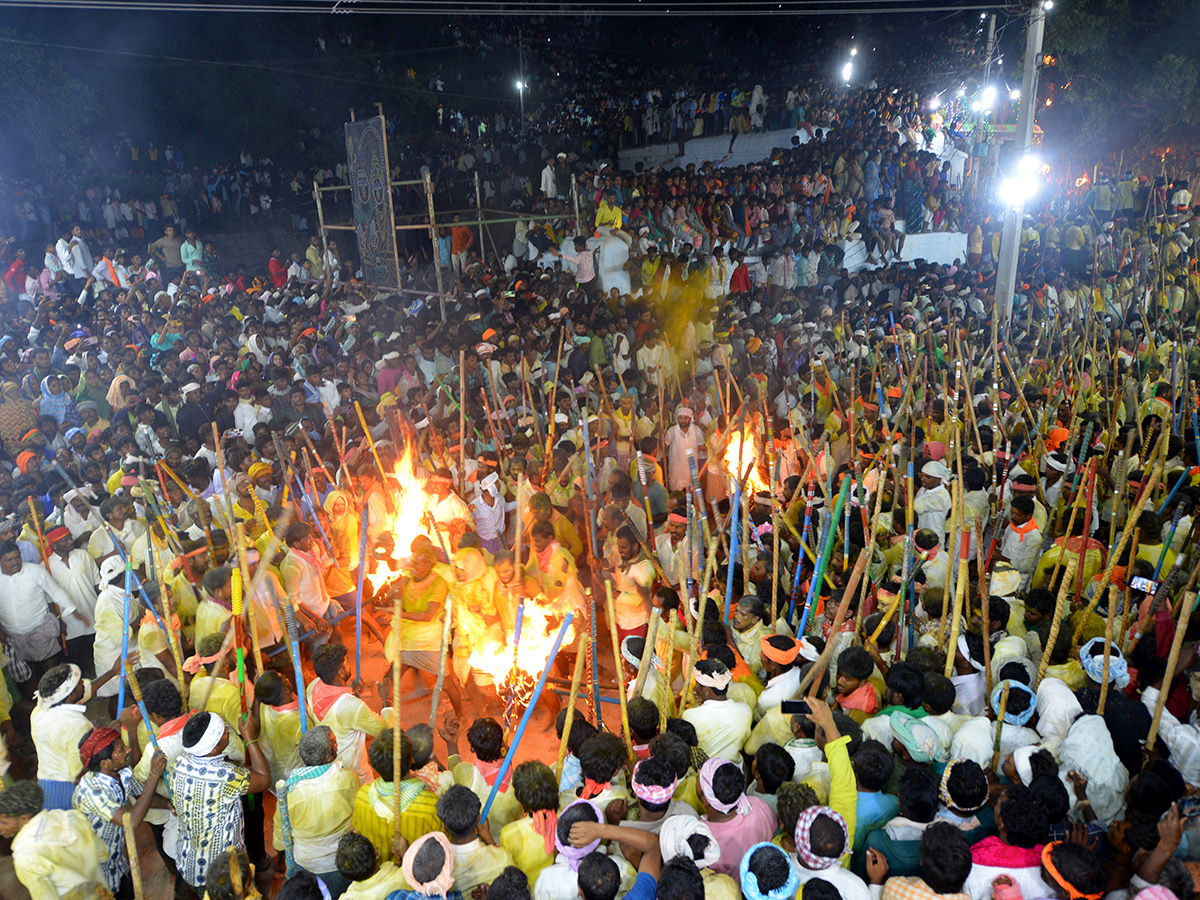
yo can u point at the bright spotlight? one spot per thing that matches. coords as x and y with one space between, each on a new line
847 71
1019 187
1014 94
989 97
935 102
1048 5
520 85
854 51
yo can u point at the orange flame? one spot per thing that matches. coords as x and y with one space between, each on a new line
742 449
539 627
541 620
403 518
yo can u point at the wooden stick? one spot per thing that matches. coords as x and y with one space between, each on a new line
1130 525
818 670
1056 623
999 723
576 679
1113 594
647 654
1185 615
697 625
616 646
668 705
131 849
240 536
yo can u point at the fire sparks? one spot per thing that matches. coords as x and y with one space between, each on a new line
741 453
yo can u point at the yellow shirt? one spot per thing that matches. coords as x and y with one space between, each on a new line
319 810
57 731
386 879
526 847
279 737
225 699
608 215
56 851
210 618
373 815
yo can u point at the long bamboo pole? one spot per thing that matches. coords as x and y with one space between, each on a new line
1185 615
616 647
1059 604
576 679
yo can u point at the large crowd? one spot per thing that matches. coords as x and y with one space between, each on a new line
893 589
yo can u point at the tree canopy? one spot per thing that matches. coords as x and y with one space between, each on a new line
1124 71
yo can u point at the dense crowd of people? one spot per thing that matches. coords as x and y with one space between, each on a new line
896 588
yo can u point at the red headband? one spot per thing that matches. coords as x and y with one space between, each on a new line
99 738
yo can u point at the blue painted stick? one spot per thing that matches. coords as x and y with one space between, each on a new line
362 568
826 549
1171 496
731 563
125 637
537 693
289 618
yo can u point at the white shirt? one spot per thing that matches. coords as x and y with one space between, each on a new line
25 599
780 688
722 727
56 732
77 577
1183 738
932 508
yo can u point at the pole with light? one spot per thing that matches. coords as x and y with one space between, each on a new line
1019 185
521 91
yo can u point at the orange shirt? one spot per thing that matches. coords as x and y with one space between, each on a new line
461 238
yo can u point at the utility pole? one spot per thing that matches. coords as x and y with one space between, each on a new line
991 49
1010 238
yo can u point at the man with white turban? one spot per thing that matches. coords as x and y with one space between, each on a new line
932 502
676 839
682 439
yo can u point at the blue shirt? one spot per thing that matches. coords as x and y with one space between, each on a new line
874 810
645 888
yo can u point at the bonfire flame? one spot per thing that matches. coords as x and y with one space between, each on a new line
519 675
540 622
743 451
403 518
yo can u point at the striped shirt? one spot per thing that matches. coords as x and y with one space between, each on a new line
373 813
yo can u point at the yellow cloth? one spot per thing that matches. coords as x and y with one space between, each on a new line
320 811
279 737
56 851
373 817
1070 672
224 699
688 793
210 618
843 789
774 728
417 599
476 863
57 732
526 847
386 879
716 886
